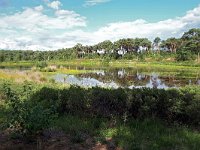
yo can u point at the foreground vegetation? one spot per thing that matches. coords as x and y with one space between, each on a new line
123 118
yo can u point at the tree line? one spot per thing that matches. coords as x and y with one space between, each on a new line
183 47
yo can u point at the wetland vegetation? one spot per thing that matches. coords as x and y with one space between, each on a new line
79 99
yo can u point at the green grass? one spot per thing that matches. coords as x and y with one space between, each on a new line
112 63
68 71
147 134
124 63
17 64
151 134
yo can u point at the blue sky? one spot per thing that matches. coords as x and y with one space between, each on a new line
36 24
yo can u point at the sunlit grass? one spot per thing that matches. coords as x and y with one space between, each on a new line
17 64
131 64
69 71
20 76
112 63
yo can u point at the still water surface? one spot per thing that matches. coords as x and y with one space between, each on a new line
131 78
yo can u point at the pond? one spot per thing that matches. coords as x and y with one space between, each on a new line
131 78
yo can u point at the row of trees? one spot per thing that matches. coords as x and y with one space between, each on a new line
188 43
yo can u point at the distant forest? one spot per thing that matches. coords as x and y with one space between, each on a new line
187 45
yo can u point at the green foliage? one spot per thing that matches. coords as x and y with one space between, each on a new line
192 40
184 55
117 114
170 105
106 102
151 134
73 100
25 116
129 56
106 61
141 57
41 64
157 40
32 108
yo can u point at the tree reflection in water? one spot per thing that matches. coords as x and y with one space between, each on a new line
128 78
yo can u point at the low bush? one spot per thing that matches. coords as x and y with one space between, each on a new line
32 108
169 105
25 116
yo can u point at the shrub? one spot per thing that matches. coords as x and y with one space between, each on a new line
41 104
170 105
41 64
106 103
184 55
193 111
73 100
26 117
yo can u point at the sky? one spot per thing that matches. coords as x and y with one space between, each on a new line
56 24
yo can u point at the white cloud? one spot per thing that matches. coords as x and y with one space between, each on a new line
32 29
141 28
34 19
55 5
39 8
94 2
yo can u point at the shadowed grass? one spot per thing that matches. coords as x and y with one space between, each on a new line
147 134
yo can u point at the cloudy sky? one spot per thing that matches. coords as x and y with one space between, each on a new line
54 24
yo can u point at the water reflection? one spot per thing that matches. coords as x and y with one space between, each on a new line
85 82
127 78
